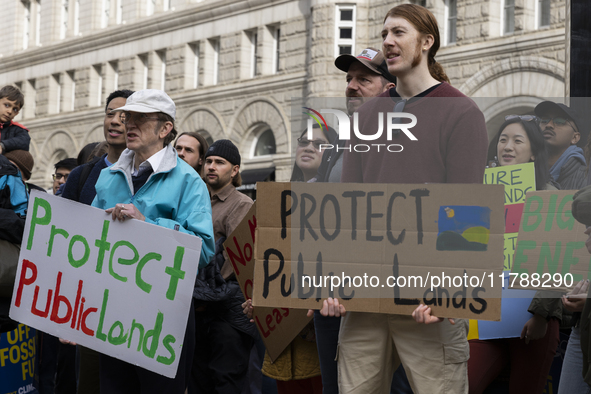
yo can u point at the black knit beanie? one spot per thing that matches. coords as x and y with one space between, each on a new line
224 149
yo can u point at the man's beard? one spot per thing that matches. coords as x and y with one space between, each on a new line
418 54
351 107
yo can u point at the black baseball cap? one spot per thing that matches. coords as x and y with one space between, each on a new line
549 106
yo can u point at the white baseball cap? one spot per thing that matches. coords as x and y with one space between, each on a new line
149 100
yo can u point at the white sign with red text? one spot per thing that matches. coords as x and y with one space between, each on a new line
120 288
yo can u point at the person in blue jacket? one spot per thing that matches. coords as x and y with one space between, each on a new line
150 183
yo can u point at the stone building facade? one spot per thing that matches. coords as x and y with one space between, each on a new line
233 66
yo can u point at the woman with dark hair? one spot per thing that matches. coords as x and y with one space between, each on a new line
84 155
309 154
520 141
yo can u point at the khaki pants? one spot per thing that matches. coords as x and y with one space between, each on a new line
9 253
371 346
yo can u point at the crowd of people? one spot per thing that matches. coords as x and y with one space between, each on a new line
143 171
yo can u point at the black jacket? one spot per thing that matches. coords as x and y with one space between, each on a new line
222 298
12 225
14 136
329 158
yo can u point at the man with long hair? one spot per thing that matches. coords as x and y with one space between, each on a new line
450 148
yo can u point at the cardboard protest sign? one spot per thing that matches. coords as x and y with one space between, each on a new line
381 247
123 289
277 326
517 180
550 252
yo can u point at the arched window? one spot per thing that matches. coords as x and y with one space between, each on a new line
206 135
265 143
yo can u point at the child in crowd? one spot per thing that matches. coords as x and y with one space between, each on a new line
13 136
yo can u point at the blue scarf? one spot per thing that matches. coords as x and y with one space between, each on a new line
572 151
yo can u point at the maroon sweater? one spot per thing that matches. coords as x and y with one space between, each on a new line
451 147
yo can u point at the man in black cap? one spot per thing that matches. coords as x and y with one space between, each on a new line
228 205
224 336
562 130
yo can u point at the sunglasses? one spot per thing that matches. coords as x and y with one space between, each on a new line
525 118
558 121
136 118
304 142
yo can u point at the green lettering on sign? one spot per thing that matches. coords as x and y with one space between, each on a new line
528 213
35 220
551 213
570 260
565 219
520 257
166 342
546 256
120 339
78 263
175 272
99 331
121 260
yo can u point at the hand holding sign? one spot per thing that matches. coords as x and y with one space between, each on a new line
124 211
331 307
248 309
423 315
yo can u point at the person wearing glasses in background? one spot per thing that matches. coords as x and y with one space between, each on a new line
308 154
561 128
520 141
297 369
62 171
151 183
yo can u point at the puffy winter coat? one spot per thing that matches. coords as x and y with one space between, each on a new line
14 136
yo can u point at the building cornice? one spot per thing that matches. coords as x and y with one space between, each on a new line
241 88
141 28
185 98
510 44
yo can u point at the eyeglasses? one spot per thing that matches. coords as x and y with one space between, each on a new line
558 121
59 177
525 118
136 118
304 142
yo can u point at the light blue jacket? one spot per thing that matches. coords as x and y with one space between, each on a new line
174 197
19 197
